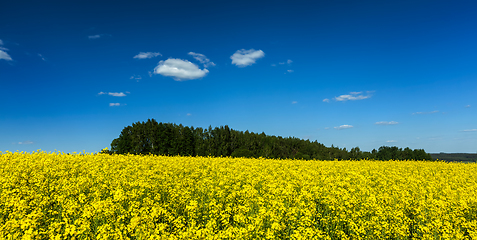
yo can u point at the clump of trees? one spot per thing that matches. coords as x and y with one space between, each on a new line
171 139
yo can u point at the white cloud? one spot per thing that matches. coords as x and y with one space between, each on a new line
436 111
243 58
294 102
289 61
180 70
327 128
468 106
352 96
188 114
114 94
202 59
114 104
290 71
138 77
326 100
344 127
1 42
25 142
281 63
41 56
94 36
391 141
5 56
274 65
386 123
99 36
145 55
470 130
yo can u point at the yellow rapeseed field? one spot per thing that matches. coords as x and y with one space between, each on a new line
99 196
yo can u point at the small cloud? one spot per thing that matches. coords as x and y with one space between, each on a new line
94 36
281 63
343 127
468 106
289 61
391 141
41 56
327 128
352 97
274 65
294 102
145 55
386 123
188 114
1 42
202 59
98 36
180 70
436 111
25 142
326 100
114 94
290 71
150 74
469 130
114 104
243 58
137 77
4 55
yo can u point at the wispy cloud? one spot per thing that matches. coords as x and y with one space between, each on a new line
145 55
4 55
468 106
188 114
294 102
114 104
180 70
469 130
290 71
25 142
326 100
289 61
202 59
243 58
98 36
344 127
137 77
436 111
352 96
41 56
386 123
114 94
391 141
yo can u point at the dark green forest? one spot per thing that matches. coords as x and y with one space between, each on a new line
171 139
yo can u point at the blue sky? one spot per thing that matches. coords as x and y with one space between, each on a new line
73 74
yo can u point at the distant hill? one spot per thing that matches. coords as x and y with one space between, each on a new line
455 157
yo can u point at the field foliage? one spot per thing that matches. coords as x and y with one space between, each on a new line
100 196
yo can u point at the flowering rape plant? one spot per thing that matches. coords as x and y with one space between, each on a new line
101 196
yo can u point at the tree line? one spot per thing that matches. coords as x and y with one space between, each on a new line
170 139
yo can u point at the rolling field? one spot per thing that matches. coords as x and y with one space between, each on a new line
99 196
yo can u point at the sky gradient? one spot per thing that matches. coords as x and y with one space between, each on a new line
73 74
